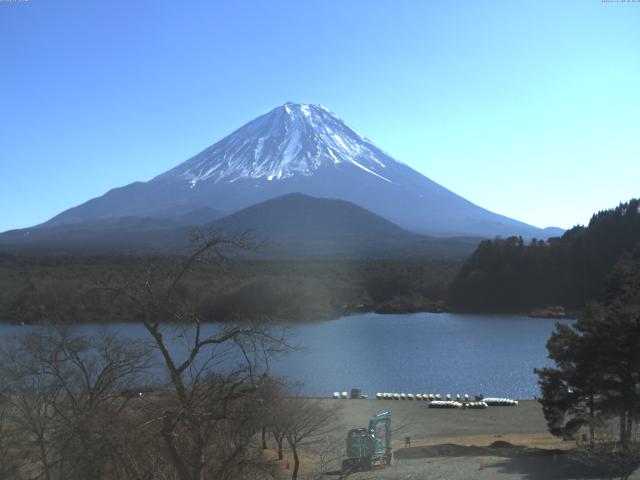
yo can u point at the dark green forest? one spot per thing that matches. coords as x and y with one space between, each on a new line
75 289
502 275
511 275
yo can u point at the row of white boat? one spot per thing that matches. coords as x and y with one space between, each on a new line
500 402
421 396
454 404
437 401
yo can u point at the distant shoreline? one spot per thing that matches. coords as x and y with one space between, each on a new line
277 322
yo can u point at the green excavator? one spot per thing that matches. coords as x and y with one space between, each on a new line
369 447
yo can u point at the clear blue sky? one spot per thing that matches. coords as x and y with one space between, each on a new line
527 108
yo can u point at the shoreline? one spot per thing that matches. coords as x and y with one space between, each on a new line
309 320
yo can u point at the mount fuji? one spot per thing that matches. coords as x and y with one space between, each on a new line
299 148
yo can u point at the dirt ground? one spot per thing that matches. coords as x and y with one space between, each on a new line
521 425
500 442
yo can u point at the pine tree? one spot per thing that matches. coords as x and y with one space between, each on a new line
597 372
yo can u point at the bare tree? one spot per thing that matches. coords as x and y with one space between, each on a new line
207 423
277 427
9 464
30 399
330 452
67 394
306 423
63 394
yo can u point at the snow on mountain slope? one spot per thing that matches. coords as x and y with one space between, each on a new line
300 148
295 139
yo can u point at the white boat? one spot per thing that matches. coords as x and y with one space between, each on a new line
476 405
500 402
445 404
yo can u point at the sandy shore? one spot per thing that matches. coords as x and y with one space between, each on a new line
521 425
510 443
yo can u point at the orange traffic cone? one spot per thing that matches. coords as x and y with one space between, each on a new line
481 464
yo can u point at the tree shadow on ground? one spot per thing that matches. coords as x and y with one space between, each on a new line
558 466
530 463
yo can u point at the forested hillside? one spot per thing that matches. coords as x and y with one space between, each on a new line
511 275
51 289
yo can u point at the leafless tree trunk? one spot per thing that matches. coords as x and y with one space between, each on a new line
64 396
306 422
207 425
65 391
279 437
9 466
263 435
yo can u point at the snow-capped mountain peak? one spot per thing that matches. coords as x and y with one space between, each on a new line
299 148
290 140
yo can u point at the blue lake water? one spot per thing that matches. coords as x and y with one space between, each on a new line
418 353
422 353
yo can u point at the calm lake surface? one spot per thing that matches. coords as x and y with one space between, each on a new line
418 353
422 353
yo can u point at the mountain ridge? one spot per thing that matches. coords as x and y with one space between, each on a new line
308 149
293 226
296 215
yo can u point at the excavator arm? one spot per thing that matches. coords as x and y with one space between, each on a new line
366 448
385 419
